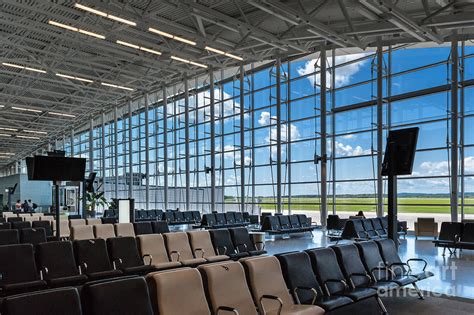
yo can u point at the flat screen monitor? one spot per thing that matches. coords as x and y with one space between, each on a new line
55 168
126 210
403 142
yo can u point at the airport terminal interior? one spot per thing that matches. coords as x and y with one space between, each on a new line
246 157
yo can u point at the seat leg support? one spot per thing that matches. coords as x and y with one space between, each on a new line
381 305
418 291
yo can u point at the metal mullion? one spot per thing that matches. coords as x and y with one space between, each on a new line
213 139
454 130
242 139
380 98
116 151
165 145
147 155
333 129
323 63
187 151
130 153
278 134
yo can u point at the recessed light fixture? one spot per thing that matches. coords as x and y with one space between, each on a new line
189 62
138 47
168 35
35 132
73 77
13 65
8 129
103 14
221 52
26 109
75 29
2 106
61 114
117 86
27 137
7 153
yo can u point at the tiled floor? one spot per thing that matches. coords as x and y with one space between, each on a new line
453 275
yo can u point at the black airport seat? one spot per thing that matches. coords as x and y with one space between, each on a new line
295 222
5 226
209 220
18 270
74 216
381 231
220 220
32 236
375 265
160 227
123 252
223 245
196 216
93 259
9 237
271 224
188 217
110 213
242 242
284 222
333 222
239 218
125 296
467 239
230 219
369 229
168 216
142 228
355 272
46 225
449 235
57 264
19 225
48 302
303 285
14 219
158 214
305 222
390 255
179 217
109 220
354 230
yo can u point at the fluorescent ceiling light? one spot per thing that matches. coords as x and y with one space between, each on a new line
75 29
73 77
61 114
22 67
2 106
117 86
27 109
7 153
27 137
4 135
221 52
103 14
138 47
35 131
8 129
164 34
188 62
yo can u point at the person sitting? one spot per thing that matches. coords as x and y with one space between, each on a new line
25 206
18 205
361 214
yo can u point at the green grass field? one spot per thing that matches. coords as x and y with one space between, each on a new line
405 205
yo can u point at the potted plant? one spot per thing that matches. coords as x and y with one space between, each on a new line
94 200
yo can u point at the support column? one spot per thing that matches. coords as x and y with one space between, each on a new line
147 155
213 140
379 127
186 148
91 145
333 129
288 137
72 142
461 129
454 130
130 154
116 151
165 147
324 161
102 150
278 134
252 127
242 139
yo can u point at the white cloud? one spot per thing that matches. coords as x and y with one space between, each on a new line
343 74
350 136
442 167
231 152
264 118
347 150
229 107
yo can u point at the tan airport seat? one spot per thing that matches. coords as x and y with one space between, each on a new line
24 215
30 219
178 292
180 250
37 214
93 221
65 231
7 214
104 231
226 286
201 245
82 232
49 218
153 251
265 277
124 229
426 227
77 222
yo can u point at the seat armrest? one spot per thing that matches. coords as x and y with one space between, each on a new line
237 247
261 243
43 271
226 309
335 281
271 297
386 269
149 256
418 259
401 264
356 274
116 263
223 247
313 290
199 250
175 252
82 267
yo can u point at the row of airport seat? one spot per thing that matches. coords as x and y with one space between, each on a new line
25 267
455 235
172 217
286 224
224 220
365 229
311 282
105 231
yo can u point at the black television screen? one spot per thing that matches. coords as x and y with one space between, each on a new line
403 142
55 168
